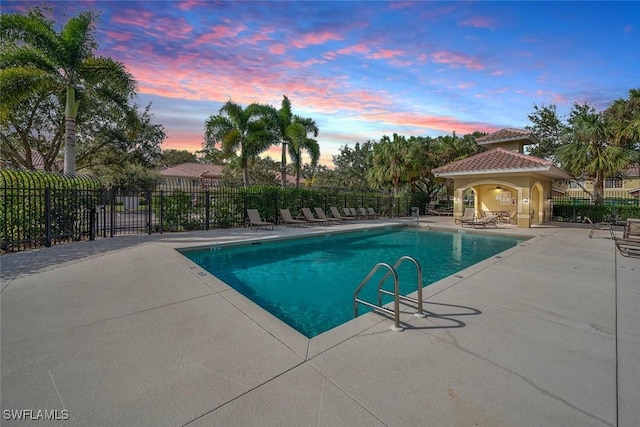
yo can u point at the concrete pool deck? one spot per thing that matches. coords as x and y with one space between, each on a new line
125 331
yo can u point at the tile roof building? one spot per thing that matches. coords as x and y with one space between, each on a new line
503 179
191 176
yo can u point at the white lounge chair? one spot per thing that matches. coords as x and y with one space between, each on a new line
466 218
489 219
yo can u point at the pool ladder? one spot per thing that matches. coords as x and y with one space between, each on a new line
396 294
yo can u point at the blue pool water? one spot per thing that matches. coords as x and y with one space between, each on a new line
309 283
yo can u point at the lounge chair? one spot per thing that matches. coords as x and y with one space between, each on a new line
373 214
321 215
363 213
311 219
336 214
632 229
599 226
346 212
489 219
256 221
467 217
440 211
288 219
628 247
355 213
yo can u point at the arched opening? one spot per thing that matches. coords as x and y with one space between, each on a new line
537 204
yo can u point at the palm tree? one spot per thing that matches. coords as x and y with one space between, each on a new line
390 162
624 119
589 151
298 141
248 130
35 57
285 119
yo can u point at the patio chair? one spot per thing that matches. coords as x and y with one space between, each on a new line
467 217
346 212
632 229
489 219
336 214
321 215
628 247
364 213
355 213
513 218
373 213
598 226
288 219
312 219
256 221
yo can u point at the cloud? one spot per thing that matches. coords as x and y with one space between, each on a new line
456 59
478 22
216 35
315 39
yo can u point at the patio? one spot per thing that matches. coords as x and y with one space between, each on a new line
125 331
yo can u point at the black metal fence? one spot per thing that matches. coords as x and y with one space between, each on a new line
614 210
39 209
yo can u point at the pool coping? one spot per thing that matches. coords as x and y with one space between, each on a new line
311 347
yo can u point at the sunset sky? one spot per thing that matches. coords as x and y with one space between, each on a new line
363 69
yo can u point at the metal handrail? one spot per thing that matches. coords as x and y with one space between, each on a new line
396 300
404 297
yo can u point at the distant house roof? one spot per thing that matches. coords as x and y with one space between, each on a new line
291 179
193 170
500 161
510 134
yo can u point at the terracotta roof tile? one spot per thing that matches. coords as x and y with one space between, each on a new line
497 159
193 170
509 134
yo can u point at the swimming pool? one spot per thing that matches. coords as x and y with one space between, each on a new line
309 282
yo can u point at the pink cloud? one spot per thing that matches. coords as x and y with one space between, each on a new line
218 33
136 19
466 85
385 54
357 48
396 5
118 36
456 59
277 48
315 39
478 22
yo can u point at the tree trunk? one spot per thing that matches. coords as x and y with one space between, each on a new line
598 189
70 112
283 165
245 175
70 146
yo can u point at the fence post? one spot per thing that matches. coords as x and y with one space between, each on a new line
207 210
161 211
149 211
112 213
47 217
92 223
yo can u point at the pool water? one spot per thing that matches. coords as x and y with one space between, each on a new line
309 283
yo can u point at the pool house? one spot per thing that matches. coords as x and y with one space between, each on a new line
504 180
